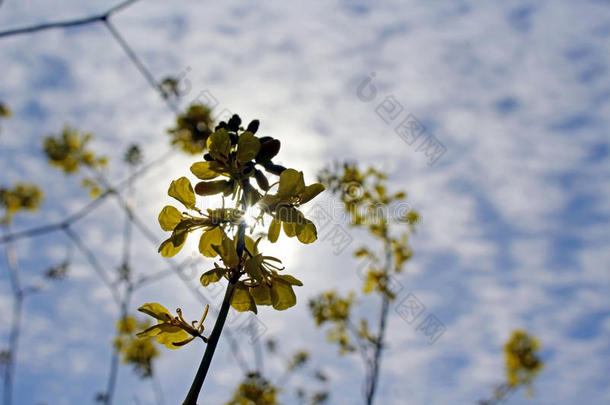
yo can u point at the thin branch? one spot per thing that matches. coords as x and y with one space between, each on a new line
125 276
9 372
127 228
135 220
156 383
285 377
68 23
88 208
88 254
159 275
46 26
362 347
105 19
138 63
120 7
501 393
379 344
112 376
18 297
114 361
11 263
44 229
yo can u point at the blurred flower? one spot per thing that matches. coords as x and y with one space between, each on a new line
522 359
69 151
133 156
254 390
23 196
192 129
140 353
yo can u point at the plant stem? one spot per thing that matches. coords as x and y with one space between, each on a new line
193 394
112 377
69 23
9 375
378 348
376 364
18 297
114 361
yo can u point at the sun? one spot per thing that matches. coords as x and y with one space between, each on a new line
251 214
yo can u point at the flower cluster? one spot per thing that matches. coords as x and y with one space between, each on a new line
330 307
522 359
4 111
69 152
172 331
22 197
254 389
192 128
365 196
138 352
236 167
367 200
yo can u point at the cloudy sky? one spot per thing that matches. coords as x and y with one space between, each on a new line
515 212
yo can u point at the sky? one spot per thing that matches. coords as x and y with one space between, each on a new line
515 212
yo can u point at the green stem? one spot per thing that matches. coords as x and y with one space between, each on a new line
193 394
378 348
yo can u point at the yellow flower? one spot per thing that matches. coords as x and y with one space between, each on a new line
23 196
522 359
172 331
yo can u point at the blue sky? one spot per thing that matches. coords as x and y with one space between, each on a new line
515 213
